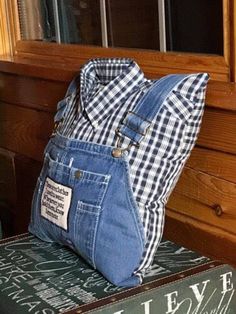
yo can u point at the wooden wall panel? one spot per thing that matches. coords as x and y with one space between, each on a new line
207 189
31 92
201 237
218 130
25 131
27 171
152 62
221 95
7 177
213 162
210 137
201 212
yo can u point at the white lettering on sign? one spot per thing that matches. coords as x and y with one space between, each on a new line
55 202
227 284
147 306
201 300
171 301
199 295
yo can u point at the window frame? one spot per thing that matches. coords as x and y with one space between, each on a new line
153 63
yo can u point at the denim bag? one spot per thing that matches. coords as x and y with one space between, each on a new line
84 199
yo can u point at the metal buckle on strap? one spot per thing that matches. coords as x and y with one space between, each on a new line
118 152
56 125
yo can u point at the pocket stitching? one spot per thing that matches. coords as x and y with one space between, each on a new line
92 235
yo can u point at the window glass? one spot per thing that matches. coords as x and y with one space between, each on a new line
63 21
194 26
133 24
166 25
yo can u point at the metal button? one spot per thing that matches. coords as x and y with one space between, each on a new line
117 152
78 174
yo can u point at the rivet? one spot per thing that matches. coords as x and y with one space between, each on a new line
113 299
117 152
78 174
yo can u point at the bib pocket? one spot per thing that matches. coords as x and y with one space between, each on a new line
91 188
68 204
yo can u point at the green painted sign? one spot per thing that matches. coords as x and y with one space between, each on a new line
46 278
210 292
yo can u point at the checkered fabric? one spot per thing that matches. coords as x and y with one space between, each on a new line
108 89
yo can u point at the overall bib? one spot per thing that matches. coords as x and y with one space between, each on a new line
84 199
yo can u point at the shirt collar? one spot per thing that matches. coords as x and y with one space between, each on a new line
105 84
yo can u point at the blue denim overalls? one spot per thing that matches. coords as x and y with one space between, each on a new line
84 199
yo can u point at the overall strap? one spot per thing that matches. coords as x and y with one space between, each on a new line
62 105
136 123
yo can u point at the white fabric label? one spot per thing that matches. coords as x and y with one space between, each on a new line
55 202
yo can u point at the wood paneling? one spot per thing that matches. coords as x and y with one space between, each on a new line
9 28
7 177
208 240
207 189
43 95
226 29
202 213
153 63
32 128
213 162
218 130
27 170
4 40
41 69
232 9
31 92
219 94
25 131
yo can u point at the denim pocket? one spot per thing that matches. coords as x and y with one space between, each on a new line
90 189
85 229
69 203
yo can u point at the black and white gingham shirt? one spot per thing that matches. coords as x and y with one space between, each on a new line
108 89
